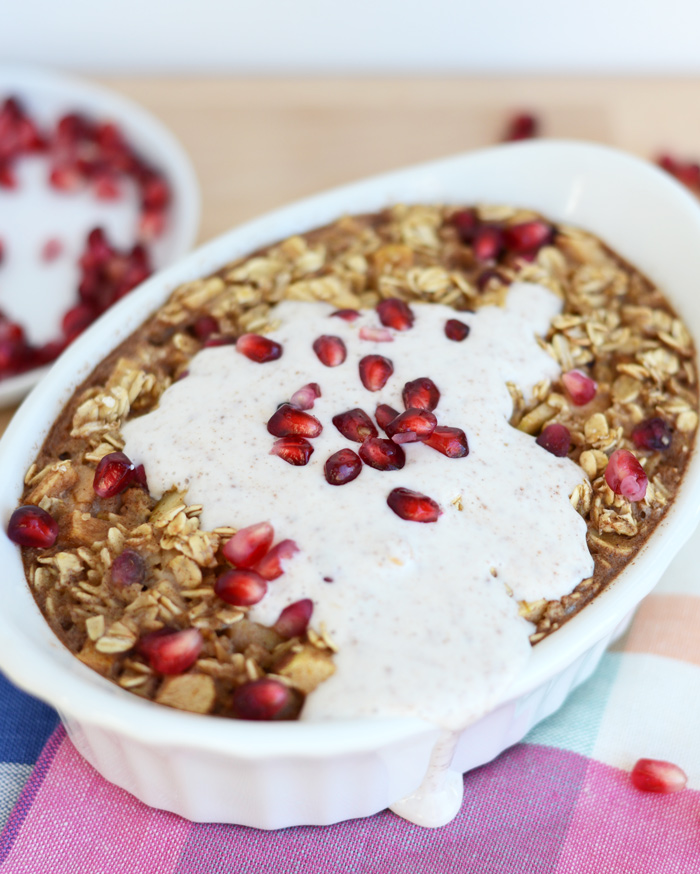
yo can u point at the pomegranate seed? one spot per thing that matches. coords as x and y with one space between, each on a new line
51 250
688 173
413 506
522 126
580 387
451 442
456 330
376 335
257 348
625 475
305 397
204 327
155 193
375 370
527 236
242 588
488 242
128 568
271 566
219 341
114 473
555 438
355 425
293 450
490 274
66 179
294 620
261 700
347 315
421 394
654 775
382 454
653 434
385 414
171 652
466 223
289 421
418 423
32 526
248 545
107 187
395 313
139 477
330 350
151 224
76 319
342 467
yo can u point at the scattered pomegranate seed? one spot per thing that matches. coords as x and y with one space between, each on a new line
271 566
421 393
204 327
555 438
66 179
294 620
466 223
248 545
375 370
395 313
219 341
293 450
77 319
347 315
342 467
305 397
151 225
115 472
654 775
522 126
355 425
242 588
128 569
385 414
376 335
261 700
257 348
51 250
171 652
580 387
625 475
155 192
417 423
32 526
488 242
527 236
653 434
107 187
330 350
456 330
413 506
289 421
382 454
451 442
139 477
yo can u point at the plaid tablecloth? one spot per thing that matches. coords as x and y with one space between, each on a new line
561 802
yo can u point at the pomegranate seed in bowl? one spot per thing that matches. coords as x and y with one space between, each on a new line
248 545
451 442
32 526
355 425
626 476
385 414
294 619
114 474
342 467
305 397
330 350
555 438
375 371
413 506
289 421
396 314
421 393
261 700
258 348
456 330
128 569
654 434
294 450
242 588
382 454
580 387
272 565
171 652
417 423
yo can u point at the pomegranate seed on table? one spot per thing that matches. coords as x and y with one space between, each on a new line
258 348
355 425
128 569
385 414
32 526
375 371
413 506
271 566
654 775
418 423
376 335
580 387
305 397
395 313
347 315
330 350
114 474
456 330
261 700
294 619
527 237
382 454
294 450
626 476
555 438
488 243
342 467
242 588
653 434
171 652
289 421
421 393
451 442
523 126
248 545
466 223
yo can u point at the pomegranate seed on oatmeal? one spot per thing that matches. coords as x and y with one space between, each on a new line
32 526
258 348
355 425
376 335
242 588
294 450
451 442
580 387
114 473
626 476
171 652
413 506
305 397
456 330
347 315
330 350
261 700
248 545
382 454
375 371
272 565
488 243
555 438
523 126
421 393
128 569
290 421
294 619
417 423
342 467
385 414
395 313
654 434
527 237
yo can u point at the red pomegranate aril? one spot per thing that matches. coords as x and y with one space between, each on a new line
580 387
139 477
289 421
66 179
416 422
490 274
32 526
527 237
655 775
456 330
330 350
258 348
451 442
51 250
107 187
653 434
488 243
128 569
555 438
261 700
395 313
347 315
355 425
375 371
626 476
151 225
271 566
466 223
522 126
248 545
242 588
219 341
376 335
114 474
171 652
305 397
76 319
421 393
342 467
413 506
294 620
294 450
385 414
382 454
155 193
204 327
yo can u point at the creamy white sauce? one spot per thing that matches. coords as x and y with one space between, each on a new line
425 616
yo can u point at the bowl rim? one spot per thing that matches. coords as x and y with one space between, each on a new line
62 681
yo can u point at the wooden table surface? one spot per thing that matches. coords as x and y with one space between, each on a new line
259 143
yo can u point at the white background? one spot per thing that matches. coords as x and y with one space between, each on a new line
356 36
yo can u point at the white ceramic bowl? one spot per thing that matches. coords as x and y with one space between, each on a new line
31 291
275 775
